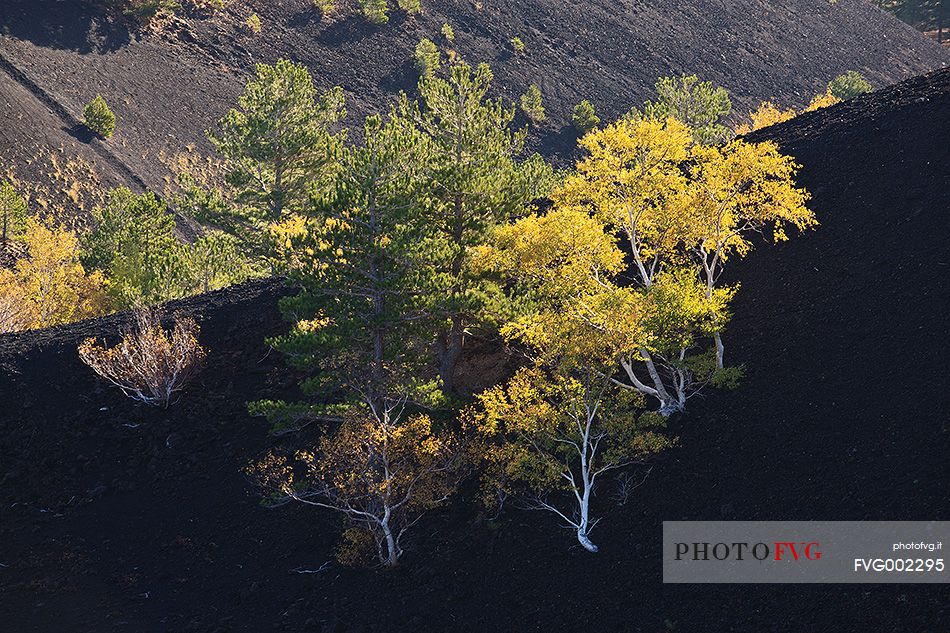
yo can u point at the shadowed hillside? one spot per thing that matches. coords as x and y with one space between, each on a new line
117 518
167 88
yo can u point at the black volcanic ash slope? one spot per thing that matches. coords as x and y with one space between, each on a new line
167 89
117 518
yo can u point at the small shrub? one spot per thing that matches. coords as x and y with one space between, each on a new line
531 104
766 115
822 100
254 24
584 118
447 32
849 85
146 10
517 45
99 118
376 11
149 364
411 7
427 57
208 5
325 7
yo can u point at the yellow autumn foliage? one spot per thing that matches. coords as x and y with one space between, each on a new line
823 100
769 114
632 181
741 188
49 286
766 115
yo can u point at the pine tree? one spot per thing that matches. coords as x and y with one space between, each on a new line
364 330
376 11
12 214
849 85
367 286
473 181
411 7
698 104
427 57
134 245
277 145
213 261
584 118
532 104
99 118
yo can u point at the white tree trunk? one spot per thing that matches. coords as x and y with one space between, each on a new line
671 406
669 402
720 350
584 524
391 558
661 392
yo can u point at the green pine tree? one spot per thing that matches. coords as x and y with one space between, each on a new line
849 85
277 145
363 316
133 243
473 181
411 7
427 57
532 104
376 11
12 214
584 118
99 118
698 104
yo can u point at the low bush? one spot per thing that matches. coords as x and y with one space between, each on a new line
849 85
254 24
145 10
411 7
150 365
325 7
376 11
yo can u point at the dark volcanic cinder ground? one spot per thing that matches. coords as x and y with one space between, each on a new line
168 88
118 518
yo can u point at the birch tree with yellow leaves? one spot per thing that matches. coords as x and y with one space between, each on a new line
556 428
634 182
683 209
738 190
